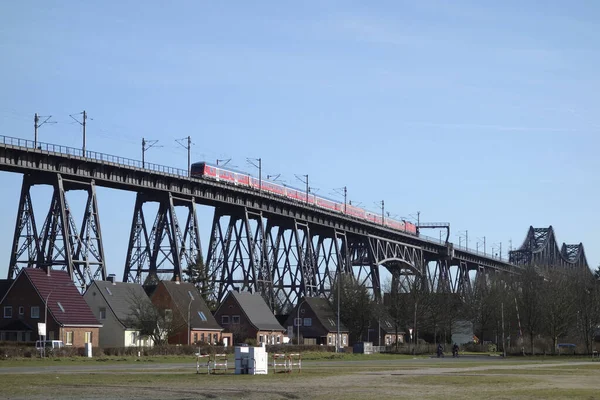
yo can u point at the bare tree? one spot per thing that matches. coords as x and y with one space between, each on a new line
558 302
587 304
356 306
149 320
530 303
396 305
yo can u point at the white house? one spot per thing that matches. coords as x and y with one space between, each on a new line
112 303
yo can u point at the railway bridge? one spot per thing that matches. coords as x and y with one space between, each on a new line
281 248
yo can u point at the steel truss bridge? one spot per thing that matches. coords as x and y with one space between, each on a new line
259 242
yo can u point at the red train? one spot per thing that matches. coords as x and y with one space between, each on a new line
207 171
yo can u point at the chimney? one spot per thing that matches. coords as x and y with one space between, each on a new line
111 279
177 279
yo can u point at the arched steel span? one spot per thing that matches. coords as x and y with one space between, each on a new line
540 248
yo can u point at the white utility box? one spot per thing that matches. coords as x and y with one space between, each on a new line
251 360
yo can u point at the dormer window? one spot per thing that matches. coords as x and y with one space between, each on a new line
60 306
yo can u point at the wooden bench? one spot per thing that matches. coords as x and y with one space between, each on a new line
295 360
202 360
218 363
281 361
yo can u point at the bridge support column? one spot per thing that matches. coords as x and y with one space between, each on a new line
237 257
332 260
164 250
26 239
294 264
61 244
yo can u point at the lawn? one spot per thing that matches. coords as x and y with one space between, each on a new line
343 376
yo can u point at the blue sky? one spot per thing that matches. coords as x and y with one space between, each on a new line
478 113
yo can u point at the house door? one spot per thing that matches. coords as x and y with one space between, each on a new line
225 341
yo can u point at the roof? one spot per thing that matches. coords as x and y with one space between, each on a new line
16 325
324 313
4 286
121 297
386 323
200 315
257 311
65 303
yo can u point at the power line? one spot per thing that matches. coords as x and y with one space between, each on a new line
37 125
82 124
188 148
146 145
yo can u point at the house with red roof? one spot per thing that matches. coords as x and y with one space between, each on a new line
46 296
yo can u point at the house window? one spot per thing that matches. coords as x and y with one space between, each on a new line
307 321
8 312
344 339
329 340
88 337
60 306
35 312
278 339
215 338
331 322
102 313
168 314
202 316
195 338
133 338
108 290
261 338
235 319
202 337
224 319
21 310
297 321
389 325
69 338
191 295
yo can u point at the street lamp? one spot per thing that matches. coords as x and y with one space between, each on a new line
46 311
298 320
189 333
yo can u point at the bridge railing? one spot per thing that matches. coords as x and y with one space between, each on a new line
94 155
475 252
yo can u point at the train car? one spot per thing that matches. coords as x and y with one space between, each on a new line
326 203
203 170
393 224
273 188
355 212
372 217
410 228
242 179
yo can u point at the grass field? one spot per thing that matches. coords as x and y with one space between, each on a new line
339 377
